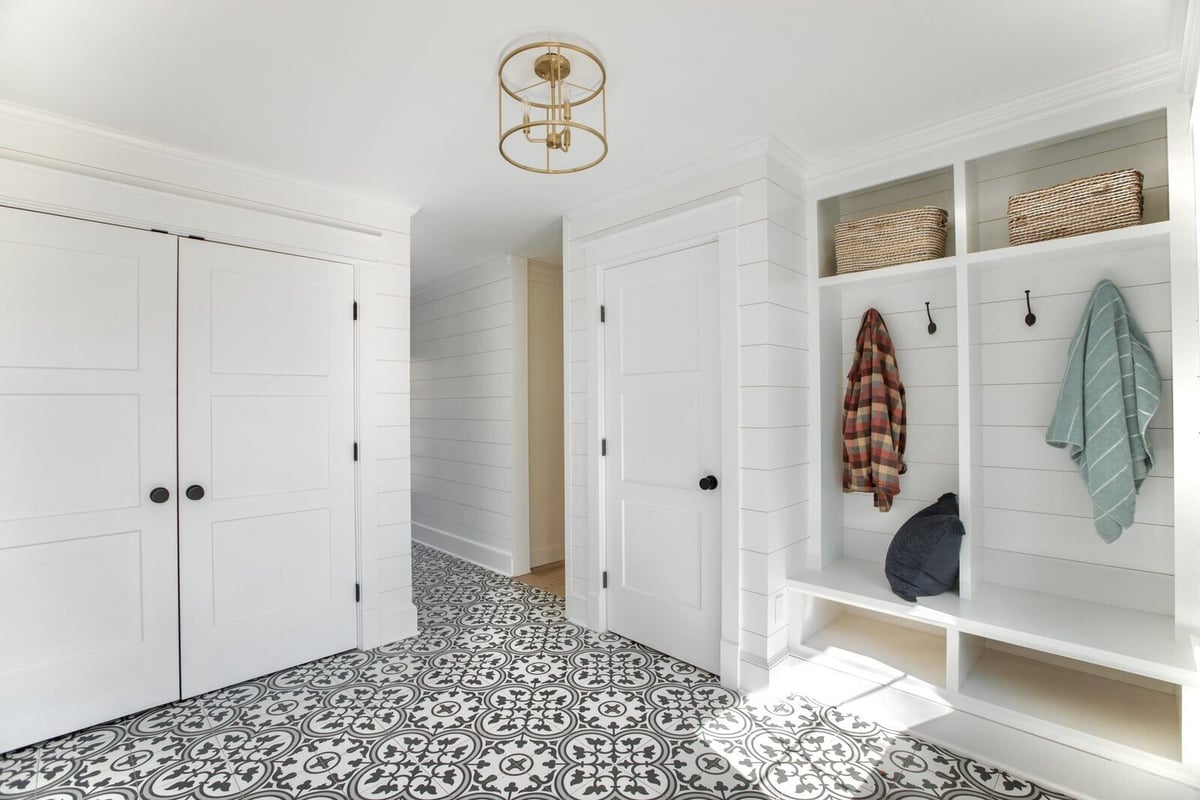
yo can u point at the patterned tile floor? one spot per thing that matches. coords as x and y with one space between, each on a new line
498 697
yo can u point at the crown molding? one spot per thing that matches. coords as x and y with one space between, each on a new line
779 150
1147 73
1189 50
71 145
762 147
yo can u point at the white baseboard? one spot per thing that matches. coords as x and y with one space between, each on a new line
547 554
460 547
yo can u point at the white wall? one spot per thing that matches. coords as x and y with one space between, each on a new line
767 188
470 468
384 342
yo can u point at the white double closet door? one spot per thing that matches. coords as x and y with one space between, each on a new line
132 362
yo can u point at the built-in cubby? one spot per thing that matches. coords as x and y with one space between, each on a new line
889 646
929 363
1139 143
933 188
1120 707
1050 628
1034 529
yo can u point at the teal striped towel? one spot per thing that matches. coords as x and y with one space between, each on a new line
1109 395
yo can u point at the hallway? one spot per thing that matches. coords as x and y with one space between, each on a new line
498 697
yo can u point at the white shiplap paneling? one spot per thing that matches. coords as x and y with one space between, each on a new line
463 411
1037 519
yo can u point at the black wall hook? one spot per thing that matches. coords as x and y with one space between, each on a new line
1030 317
932 325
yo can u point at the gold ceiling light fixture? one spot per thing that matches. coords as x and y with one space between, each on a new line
545 88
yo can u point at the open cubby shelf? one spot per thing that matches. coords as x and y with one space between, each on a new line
1143 715
875 642
1101 678
977 227
1051 630
1128 239
1133 641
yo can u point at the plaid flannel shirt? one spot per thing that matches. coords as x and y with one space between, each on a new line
873 422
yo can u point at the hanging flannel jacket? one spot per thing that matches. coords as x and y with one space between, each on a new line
873 422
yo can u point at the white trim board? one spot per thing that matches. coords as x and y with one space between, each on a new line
1152 73
70 145
479 554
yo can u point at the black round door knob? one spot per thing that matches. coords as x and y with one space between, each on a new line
159 494
195 492
708 483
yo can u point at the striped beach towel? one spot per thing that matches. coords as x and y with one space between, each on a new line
1109 395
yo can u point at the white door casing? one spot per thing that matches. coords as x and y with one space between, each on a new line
266 428
87 431
663 426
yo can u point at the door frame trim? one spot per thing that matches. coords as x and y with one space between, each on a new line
711 223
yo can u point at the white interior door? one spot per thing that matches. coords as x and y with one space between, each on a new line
266 431
89 627
662 423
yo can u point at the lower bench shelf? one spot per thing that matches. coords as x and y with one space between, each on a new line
1132 716
1141 713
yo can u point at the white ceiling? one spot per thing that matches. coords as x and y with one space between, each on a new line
397 100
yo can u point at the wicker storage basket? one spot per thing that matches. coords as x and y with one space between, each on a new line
899 237
1087 205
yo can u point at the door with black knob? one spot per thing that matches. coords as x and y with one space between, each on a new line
266 392
662 402
87 469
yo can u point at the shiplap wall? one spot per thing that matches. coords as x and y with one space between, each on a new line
773 350
463 373
929 370
773 308
1037 517
384 321
1140 144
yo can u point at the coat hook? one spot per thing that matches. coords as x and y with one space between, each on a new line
1030 317
932 325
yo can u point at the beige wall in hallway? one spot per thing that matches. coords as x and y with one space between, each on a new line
546 478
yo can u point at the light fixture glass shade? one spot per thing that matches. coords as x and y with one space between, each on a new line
552 108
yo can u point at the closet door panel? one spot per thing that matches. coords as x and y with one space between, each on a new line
87 431
266 429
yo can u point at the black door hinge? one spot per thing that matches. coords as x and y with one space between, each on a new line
602 313
357 593
356 451
604 579
604 447
355 310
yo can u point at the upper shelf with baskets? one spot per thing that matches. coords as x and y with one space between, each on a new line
1133 144
979 223
929 190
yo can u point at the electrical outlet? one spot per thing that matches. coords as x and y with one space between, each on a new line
778 607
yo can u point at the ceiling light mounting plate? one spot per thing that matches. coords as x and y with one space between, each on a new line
545 66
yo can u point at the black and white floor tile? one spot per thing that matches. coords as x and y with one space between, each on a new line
498 697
